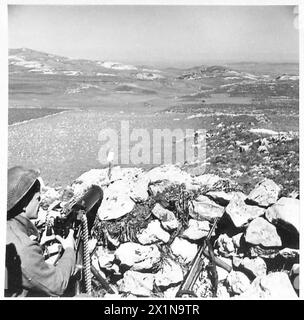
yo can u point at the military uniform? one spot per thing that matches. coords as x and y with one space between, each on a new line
27 273
38 278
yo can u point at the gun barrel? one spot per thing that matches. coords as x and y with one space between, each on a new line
192 275
89 199
197 265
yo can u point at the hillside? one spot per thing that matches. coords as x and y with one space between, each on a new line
39 79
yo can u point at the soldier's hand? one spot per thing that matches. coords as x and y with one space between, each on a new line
68 242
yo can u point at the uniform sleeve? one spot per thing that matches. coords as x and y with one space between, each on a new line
42 277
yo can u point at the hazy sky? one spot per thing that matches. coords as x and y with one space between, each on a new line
163 35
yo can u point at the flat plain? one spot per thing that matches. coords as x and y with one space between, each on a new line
58 106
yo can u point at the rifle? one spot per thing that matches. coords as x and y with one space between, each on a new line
78 214
205 250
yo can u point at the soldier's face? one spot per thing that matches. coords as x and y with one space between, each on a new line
33 207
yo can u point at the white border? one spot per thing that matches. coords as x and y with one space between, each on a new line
4 89
3 136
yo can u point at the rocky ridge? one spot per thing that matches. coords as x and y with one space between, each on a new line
151 224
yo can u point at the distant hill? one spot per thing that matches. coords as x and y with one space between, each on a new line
42 79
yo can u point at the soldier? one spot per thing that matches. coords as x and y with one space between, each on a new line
27 273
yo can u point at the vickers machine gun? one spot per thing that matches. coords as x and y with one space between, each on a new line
78 214
205 250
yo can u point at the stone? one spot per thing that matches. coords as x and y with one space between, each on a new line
221 197
184 250
222 292
256 266
92 177
222 273
137 256
241 213
236 261
133 180
171 173
294 275
289 253
125 183
261 232
274 286
237 282
116 201
139 190
114 269
265 193
137 283
171 273
285 212
114 207
196 230
225 244
160 186
126 174
105 257
167 217
237 240
153 233
171 292
205 209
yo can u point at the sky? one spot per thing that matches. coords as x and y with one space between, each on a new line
158 35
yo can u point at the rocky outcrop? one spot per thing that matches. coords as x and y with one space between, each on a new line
225 244
115 206
256 267
170 274
138 257
137 283
153 233
221 197
286 213
241 213
151 225
275 285
183 250
265 193
166 217
205 209
196 230
261 232
237 282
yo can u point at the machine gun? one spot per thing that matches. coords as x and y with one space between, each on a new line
205 250
78 214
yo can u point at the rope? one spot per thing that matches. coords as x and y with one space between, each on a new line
86 255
